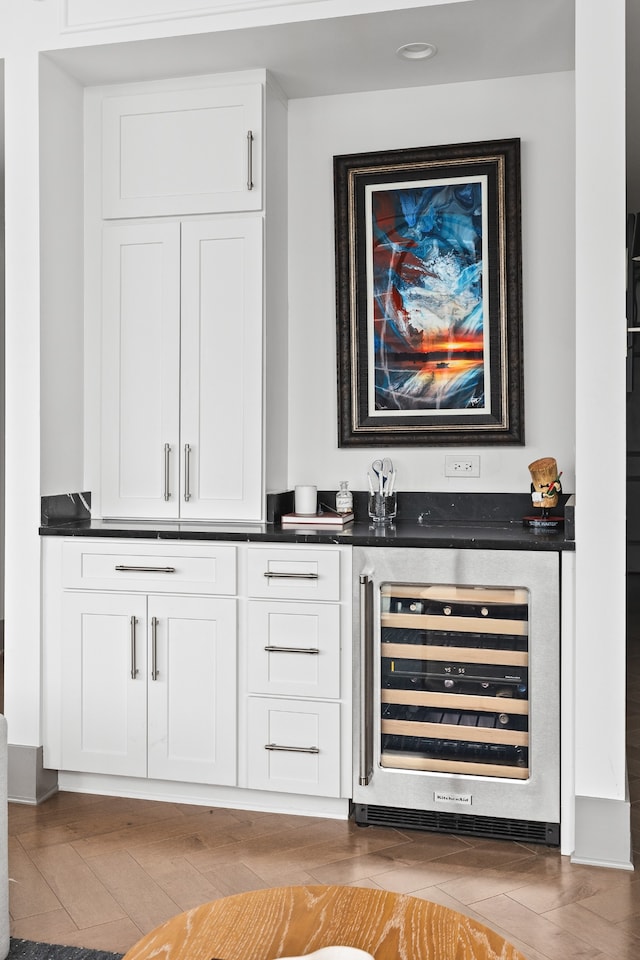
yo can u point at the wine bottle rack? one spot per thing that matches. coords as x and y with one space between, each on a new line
454 679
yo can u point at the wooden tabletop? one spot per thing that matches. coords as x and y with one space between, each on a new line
291 921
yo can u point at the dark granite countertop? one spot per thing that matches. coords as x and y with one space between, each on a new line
483 522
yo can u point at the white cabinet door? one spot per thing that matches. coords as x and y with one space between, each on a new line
104 684
149 686
221 361
192 689
140 370
182 370
182 152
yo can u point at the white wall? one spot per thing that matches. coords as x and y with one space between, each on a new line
600 421
2 363
539 110
61 225
22 574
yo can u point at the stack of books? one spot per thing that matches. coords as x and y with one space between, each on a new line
328 518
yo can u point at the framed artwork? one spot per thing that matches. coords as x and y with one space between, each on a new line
429 295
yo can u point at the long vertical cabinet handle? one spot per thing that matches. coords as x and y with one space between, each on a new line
249 159
132 631
366 680
187 482
154 648
167 454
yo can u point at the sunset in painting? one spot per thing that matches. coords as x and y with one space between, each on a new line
427 304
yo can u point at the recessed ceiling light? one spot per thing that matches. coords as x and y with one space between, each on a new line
417 51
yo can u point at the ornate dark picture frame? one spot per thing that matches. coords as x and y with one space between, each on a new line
429 296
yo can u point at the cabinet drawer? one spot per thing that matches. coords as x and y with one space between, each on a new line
294 746
294 648
310 574
158 568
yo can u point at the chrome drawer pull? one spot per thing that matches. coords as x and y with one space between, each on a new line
276 746
249 160
290 576
314 650
154 648
167 453
187 482
123 568
134 668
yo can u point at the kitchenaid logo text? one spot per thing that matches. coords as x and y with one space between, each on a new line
463 798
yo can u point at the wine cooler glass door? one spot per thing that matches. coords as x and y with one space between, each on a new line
454 679
457 681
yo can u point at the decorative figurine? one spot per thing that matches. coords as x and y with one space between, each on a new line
545 491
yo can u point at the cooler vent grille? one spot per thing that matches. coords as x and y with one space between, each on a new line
499 828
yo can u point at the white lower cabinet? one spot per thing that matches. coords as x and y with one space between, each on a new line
216 671
148 688
296 672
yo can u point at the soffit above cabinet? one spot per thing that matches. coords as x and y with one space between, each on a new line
476 39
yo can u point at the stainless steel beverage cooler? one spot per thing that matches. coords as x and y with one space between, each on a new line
456 691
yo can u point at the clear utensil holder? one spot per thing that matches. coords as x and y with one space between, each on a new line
382 507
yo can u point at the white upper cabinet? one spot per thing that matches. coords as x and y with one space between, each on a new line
185 285
182 369
182 152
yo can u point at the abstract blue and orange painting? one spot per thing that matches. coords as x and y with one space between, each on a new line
427 302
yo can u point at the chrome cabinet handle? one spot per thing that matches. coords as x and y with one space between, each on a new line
365 760
167 452
290 576
154 648
132 627
249 160
314 650
125 568
277 746
187 484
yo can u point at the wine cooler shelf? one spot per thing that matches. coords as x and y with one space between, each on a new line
454 679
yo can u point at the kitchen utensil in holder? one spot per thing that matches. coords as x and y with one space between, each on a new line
382 507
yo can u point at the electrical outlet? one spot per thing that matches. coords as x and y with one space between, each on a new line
466 466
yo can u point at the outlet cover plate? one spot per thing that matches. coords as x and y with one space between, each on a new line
465 465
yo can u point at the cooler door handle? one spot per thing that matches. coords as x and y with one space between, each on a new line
365 760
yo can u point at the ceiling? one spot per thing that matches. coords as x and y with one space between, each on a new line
633 105
476 39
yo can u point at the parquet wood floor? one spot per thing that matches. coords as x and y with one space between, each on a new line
100 872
